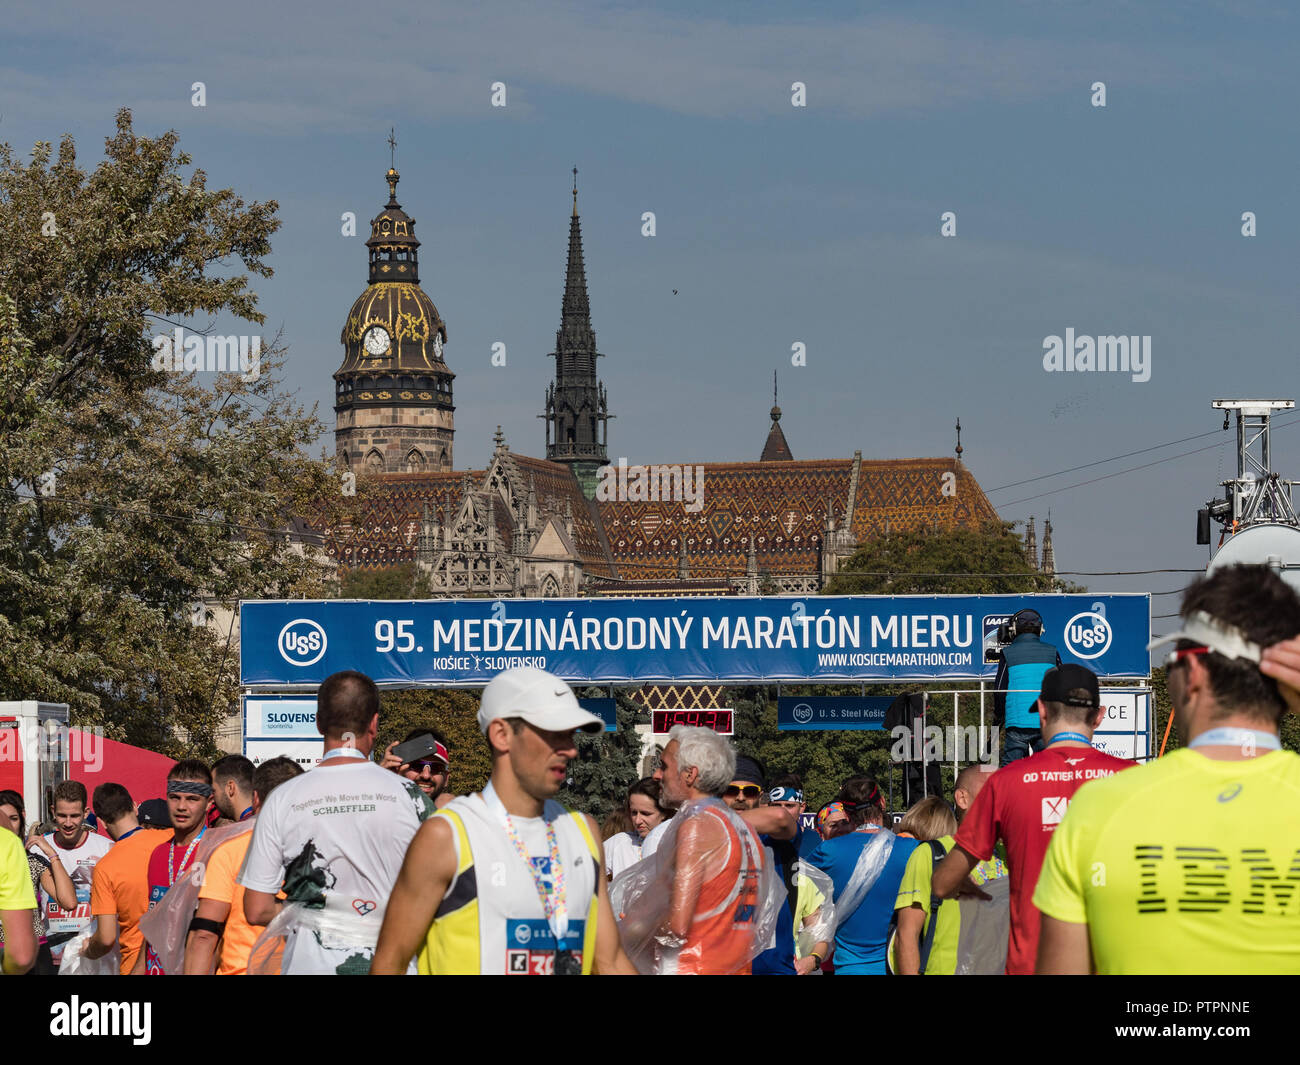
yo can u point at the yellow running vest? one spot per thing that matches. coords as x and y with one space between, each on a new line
491 920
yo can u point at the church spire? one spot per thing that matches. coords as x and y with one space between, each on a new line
1049 555
776 449
576 407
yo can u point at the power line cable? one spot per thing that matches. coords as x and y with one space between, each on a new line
1277 423
1102 462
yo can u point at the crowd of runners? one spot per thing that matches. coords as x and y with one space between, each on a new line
1064 861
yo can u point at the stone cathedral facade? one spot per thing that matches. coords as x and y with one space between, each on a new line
533 526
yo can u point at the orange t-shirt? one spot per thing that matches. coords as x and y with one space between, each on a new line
722 932
119 887
219 886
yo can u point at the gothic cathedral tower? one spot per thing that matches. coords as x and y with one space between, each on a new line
393 408
577 421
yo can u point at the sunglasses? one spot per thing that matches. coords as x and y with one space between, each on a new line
437 767
750 791
1177 656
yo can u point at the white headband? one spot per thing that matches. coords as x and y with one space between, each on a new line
1227 640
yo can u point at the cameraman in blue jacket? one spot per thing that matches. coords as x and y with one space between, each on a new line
1021 666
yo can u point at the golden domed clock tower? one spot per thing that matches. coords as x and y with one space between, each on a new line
393 407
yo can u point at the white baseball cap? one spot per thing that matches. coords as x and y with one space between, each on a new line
540 698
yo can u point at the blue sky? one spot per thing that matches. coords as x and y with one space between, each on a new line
775 224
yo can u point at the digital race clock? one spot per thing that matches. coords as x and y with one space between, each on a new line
719 720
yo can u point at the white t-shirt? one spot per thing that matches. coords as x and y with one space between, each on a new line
79 862
651 842
336 837
620 852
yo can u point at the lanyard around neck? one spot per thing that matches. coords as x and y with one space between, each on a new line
553 902
1245 738
1061 737
344 752
172 871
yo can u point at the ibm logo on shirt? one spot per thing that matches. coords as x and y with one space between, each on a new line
1054 809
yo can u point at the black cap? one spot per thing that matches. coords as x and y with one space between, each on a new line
154 813
1059 682
748 769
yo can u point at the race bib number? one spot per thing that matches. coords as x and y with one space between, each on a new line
530 947
57 919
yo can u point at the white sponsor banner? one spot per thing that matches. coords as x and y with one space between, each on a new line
1126 730
280 717
1122 744
1125 711
307 753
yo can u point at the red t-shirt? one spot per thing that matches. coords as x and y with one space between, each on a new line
1022 804
161 876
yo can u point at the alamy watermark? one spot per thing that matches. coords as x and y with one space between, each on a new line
652 484
1069 354
178 353
953 743
52 741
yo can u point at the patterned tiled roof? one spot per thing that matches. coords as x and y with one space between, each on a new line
386 530
911 494
784 506
555 485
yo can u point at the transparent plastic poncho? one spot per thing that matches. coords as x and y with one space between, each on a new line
706 901
167 925
331 927
985 930
75 962
821 927
871 863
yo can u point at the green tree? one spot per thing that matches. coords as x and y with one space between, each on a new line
127 493
452 712
608 763
388 582
936 563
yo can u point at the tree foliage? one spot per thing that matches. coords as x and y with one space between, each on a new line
452 712
608 763
924 562
387 582
128 493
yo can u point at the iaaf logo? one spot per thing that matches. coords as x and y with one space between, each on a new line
302 642
1088 635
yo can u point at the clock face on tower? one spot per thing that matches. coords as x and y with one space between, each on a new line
376 340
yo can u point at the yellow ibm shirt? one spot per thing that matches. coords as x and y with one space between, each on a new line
15 875
1186 865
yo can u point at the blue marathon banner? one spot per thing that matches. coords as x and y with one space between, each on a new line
450 642
822 712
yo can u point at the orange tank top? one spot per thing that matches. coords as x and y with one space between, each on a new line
720 939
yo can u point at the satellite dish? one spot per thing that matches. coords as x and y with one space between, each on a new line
1265 544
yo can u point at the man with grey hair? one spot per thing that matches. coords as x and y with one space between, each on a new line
720 906
773 821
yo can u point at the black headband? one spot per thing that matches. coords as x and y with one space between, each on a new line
189 787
